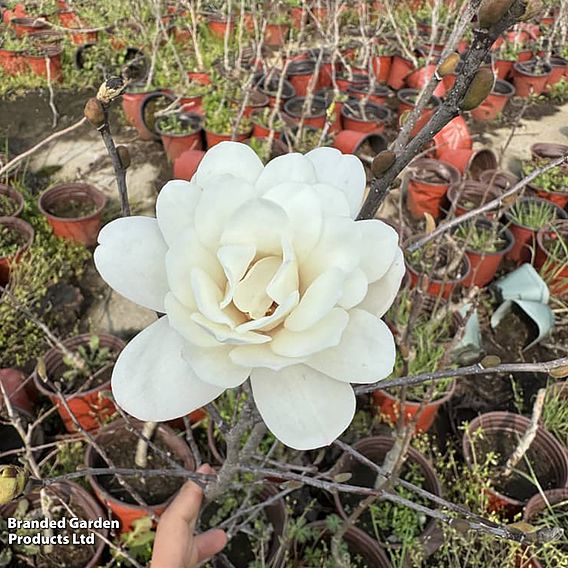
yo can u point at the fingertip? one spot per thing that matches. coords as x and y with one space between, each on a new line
210 543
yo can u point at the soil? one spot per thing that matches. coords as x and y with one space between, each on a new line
516 486
432 177
9 440
363 476
11 240
154 490
72 208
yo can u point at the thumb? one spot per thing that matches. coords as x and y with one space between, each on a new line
210 543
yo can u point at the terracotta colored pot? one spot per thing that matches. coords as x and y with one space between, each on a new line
218 27
426 196
453 136
360 80
91 407
15 196
256 101
132 105
12 62
275 34
212 138
270 89
503 68
527 81
349 141
525 237
27 231
38 64
494 104
548 151
554 270
78 229
297 15
145 122
381 65
185 165
23 26
19 391
469 194
200 77
300 75
125 512
389 406
407 101
538 504
484 265
559 71
438 288
419 78
359 544
376 449
400 68
379 94
80 503
501 432
261 131
316 117
502 180
472 162
559 198
176 144
364 117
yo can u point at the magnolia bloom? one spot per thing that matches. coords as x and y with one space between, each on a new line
262 272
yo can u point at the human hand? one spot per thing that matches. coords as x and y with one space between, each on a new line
176 545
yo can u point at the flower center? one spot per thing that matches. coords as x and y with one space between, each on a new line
250 295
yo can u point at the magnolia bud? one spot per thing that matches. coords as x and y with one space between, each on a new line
12 483
448 66
94 112
479 89
382 162
491 11
124 156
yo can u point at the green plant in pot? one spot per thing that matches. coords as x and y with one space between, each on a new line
264 118
177 124
552 181
11 241
221 114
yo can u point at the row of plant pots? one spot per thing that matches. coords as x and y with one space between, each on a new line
73 210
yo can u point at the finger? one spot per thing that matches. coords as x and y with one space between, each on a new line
210 543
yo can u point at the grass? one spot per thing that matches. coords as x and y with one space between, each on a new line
533 214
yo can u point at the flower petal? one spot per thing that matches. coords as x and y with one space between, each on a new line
180 319
344 171
232 158
284 169
324 334
260 223
152 381
339 246
285 280
304 409
222 196
235 260
175 207
262 356
214 366
131 259
317 301
208 298
354 289
381 294
379 250
333 200
224 334
304 209
366 352
268 323
186 254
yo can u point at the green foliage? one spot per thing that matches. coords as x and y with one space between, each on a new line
480 238
428 341
554 516
555 179
555 412
138 542
48 261
533 214
94 358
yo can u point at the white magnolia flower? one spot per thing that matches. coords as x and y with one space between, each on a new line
262 272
